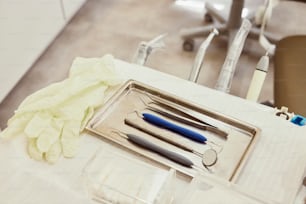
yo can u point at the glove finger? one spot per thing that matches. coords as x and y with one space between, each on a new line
33 151
88 115
70 147
37 124
49 135
70 138
54 153
16 125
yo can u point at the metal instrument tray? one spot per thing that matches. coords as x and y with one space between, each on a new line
131 99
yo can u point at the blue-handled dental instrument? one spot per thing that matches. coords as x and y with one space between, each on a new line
155 120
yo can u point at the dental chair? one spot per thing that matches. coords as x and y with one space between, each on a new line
290 74
225 26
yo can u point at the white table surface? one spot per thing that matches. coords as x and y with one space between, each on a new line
278 159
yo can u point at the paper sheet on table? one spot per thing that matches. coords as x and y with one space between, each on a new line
213 196
276 166
209 189
33 189
24 180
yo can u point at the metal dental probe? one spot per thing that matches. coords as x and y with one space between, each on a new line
180 112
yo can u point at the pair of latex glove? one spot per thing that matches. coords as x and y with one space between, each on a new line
53 117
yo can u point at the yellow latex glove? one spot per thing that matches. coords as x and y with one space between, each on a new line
52 118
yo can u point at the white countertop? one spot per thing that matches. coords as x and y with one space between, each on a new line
277 162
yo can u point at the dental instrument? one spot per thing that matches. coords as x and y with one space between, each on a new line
186 113
227 72
194 74
209 157
176 109
162 123
185 132
186 121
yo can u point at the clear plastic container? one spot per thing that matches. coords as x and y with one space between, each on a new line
110 177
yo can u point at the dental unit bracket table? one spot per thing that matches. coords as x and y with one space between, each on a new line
274 170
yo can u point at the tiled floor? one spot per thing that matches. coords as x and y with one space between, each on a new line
117 26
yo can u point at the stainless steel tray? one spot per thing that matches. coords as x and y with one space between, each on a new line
129 100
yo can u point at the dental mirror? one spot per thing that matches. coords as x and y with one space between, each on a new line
209 157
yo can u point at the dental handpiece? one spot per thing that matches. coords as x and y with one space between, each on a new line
145 49
227 72
198 62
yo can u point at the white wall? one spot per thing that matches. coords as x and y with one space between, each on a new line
27 27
